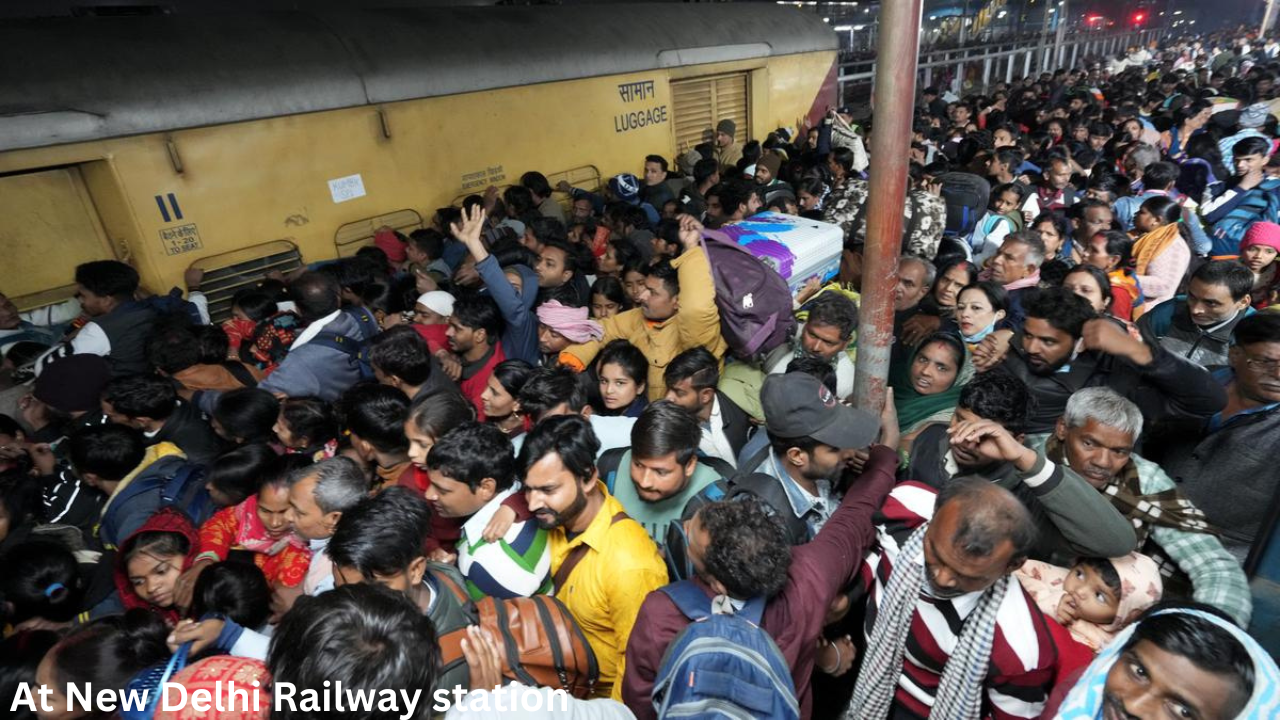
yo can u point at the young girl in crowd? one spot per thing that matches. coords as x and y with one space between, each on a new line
500 397
1002 218
1258 253
1096 598
622 370
1160 254
259 526
980 308
151 561
307 426
608 298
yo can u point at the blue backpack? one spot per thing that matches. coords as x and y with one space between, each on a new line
170 481
722 666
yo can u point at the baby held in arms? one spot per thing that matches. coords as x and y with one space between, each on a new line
1097 597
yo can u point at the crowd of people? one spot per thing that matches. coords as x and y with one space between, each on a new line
517 451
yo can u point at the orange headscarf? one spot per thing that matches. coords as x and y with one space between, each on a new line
1149 246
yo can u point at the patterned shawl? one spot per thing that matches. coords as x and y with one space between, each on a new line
1167 508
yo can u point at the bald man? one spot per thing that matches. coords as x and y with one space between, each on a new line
957 604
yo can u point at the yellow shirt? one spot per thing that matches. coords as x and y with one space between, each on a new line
695 324
605 590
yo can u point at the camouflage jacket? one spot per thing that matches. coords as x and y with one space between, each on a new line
846 206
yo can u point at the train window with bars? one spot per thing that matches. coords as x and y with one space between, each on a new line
354 235
229 273
700 103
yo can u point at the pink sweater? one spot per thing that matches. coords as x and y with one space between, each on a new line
1164 273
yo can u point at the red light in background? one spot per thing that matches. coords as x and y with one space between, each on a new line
1138 18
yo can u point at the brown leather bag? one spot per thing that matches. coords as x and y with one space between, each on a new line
542 643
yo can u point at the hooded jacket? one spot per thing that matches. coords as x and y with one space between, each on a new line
520 338
313 369
166 520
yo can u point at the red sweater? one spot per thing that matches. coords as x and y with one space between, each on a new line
794 617
475 379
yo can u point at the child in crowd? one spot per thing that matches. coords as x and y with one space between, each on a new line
1096 598
622 370
307 426
1000 219
1258 252
1110 252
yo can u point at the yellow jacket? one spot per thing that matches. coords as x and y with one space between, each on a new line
695 324
605 590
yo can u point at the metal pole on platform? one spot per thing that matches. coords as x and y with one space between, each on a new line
894 100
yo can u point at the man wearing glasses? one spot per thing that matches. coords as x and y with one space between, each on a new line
1226 465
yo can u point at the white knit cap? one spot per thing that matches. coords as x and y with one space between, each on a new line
437 301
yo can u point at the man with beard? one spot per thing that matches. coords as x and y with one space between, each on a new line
812 440
603 563
739 552
945 611
474 330
1226 466
985 439
1096 438
1063 346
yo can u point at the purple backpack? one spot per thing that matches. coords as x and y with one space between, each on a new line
754 301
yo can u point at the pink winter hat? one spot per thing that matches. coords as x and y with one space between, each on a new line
1262 233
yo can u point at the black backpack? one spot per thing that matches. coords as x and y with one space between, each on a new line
966 196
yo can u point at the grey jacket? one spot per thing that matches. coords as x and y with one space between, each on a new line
315 370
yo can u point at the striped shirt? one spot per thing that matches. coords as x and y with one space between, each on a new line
1024 654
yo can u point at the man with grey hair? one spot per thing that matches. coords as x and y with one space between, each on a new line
318 496
915 280
1095 437
1016 266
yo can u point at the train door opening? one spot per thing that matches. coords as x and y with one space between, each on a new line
48 225
699 103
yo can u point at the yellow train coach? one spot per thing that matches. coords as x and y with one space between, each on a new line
243 143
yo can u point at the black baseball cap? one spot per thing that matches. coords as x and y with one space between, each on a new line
798 405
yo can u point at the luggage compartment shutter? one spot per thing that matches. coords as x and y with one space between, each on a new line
700 103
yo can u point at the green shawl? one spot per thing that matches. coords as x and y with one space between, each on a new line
916 410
